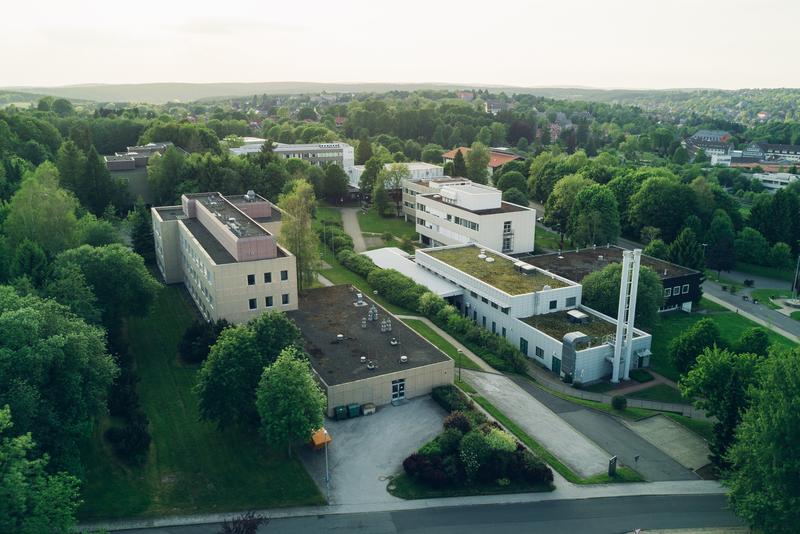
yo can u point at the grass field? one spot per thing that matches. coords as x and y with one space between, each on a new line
445 346
192 466
672 324
373 223
795 315
766 272
326 213
660 393
763 296
545 239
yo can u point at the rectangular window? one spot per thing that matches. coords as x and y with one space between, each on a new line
494 327
685 288
473 294
553 304
269 302
668 292
505 310
570 302
504 331
506 227
284 275
267 278
484 300
474 316
253 304
251 279
523 346
494 305
285 299
539 352
676 290
483 321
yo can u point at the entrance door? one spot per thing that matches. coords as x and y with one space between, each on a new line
398 389
557 366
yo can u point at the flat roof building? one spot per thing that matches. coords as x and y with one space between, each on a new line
132 167
229 262
363 354
419 171
466 212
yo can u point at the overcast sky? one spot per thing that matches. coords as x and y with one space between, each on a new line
598 43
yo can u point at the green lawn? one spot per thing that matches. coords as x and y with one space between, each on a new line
704 429
660 393
445 346
767 272
672 324
373 223
192 466
545 239
763 296
795 315
326 213
624 473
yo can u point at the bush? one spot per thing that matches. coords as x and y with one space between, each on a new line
132 441
459 421
473 451
641 375
618 402
123 401
358 263
387 237
500 440
427 469
451 398
198 338
748 282
449 440
397 288
335 238
530 469
432 448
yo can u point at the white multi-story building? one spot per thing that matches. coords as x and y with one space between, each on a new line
775 180
419 171
535 310
219 248
473 213
339 153
412 188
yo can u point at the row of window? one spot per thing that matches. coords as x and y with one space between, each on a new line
675 291
251 278
523 348
268 302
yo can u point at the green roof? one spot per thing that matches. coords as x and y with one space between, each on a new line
501 273
558 324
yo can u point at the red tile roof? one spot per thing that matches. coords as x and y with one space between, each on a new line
496 158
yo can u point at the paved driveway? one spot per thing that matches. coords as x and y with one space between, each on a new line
541 423
366 450
351 226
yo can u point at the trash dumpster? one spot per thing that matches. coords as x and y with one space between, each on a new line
353 410
340 412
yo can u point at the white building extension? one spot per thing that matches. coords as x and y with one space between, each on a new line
535 310
473 213
419 171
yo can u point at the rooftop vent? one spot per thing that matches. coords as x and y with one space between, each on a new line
482 256
393 342
665 272
372 365
546 288
251 195
363 359
489 260
231 219
600 257
403 359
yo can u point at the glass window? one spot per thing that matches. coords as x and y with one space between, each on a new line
504 310
494 305
484 300
676 290
267 278
269 302
284 275
685 288
253 304
285 298
553 304
523 346
494 327
504 331
571 301
251 279
668 292
539 352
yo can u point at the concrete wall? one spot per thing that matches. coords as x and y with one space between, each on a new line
378 390
255 209
168 253
242 248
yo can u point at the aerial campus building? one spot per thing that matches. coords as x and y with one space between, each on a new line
541 312
220 248
362 355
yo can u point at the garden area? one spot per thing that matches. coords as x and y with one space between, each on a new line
372 222
191 465
471 456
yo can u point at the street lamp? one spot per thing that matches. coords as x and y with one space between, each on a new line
460 355
327 473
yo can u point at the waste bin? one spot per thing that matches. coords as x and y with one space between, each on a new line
353 410
340 412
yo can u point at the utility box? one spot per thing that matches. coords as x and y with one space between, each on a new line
340 412
353 410
368 409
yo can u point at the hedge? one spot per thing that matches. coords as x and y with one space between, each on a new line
397 288
358 263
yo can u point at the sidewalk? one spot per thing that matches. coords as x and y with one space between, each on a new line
565 492
351 226
758 320
453 341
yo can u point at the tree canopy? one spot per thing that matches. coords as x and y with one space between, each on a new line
601 292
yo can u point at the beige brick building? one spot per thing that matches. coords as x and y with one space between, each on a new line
220 248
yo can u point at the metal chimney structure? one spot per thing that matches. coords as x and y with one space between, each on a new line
626 311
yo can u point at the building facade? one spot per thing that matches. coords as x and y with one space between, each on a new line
231 265
339 153
419 170
775 181
473 213
412 188
537 311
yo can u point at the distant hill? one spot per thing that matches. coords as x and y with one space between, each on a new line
159 93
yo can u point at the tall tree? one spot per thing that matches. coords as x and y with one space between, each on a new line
392 182
142 231
297 232
97 189
686 251
510 179
459 165
684 349
289 401
50 224
478 163
373 167
601 292
227 381
719 382
558 208
594 218
657 249
721 254
29 260
165 173
765 458
363 151
335 183
33 500
647 205
71 163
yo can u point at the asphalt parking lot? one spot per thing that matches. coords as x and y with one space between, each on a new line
366 450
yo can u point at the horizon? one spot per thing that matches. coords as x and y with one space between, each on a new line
613 45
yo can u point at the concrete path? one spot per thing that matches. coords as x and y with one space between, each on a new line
612 435
632 386
538 421
324 281
351 226
367 451
758 313
453 341
678 442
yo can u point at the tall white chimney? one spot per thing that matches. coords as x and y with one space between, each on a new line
637 260
623 300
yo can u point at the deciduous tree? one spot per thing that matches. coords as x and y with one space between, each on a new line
601 292
478 163
297 232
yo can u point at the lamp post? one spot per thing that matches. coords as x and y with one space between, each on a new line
460 355
327 473
796 284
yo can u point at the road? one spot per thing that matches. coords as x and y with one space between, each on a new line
613 436
612 515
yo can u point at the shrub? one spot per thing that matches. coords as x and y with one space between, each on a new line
123 401
358 263
748 282
459 421
432 448
500 440
641 375
387 237
451 398
335 238
473 451
397 288
449 440
132 441
427 469
430 304
198 338
618 402
452 468
530 469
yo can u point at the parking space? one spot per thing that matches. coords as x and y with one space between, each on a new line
679 443
366 450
